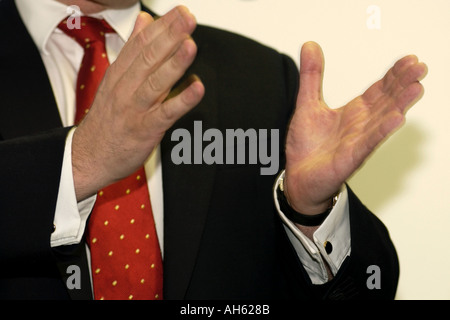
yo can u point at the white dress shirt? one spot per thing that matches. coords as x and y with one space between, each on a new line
62 57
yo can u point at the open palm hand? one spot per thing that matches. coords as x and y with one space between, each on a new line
325 146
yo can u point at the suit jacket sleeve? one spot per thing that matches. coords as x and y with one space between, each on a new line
30 169
371 246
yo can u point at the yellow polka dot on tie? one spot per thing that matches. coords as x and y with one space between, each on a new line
92 68
147 236
94 240
106 222
110 253
82 87
142 281
83 23
114 283
87 40
142 206
102 33
88 46
97 271
152 266
137 251
138 177
132 221
128 191
122 236
103 55
127 266
102 298
100 193
116 207
86 111
130 297
156 296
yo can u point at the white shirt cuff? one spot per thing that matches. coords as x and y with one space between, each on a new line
70 216
335 230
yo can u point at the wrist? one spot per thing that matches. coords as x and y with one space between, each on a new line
88 174
313 216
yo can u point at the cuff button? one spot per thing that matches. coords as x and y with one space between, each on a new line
328 247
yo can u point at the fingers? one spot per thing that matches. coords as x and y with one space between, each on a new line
405 72
408 97
406 89
161 61
157 85
409 75
147 30
311 73
164 117
398 69
391 114
142 21
409 86
387 101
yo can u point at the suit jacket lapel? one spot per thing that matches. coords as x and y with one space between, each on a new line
28 104
187 191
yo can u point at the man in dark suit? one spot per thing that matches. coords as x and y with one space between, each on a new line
223 236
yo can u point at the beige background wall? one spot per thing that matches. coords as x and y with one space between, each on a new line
407 182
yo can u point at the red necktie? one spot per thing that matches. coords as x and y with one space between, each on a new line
125 254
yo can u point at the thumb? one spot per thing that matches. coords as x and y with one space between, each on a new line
311 73
142 20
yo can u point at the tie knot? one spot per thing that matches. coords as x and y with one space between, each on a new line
89 30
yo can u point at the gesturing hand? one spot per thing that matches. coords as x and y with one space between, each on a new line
325 146
131 112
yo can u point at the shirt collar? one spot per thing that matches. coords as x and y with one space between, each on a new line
41 18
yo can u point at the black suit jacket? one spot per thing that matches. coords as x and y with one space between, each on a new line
223 238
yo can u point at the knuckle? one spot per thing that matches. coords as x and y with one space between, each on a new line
140 99
176 62
165 22
148 56
141 39
154 83
175 30
167 113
